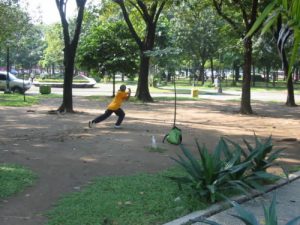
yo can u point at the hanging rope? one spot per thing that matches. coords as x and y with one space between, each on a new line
174 136
175 102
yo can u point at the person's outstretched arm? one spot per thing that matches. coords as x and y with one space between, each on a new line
128 93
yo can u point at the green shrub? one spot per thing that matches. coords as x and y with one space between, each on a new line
45 89
226 169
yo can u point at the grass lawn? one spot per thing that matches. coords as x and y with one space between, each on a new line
17 100
60 81
14 179
183 86
144 199
133 99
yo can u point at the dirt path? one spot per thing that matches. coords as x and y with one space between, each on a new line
66 155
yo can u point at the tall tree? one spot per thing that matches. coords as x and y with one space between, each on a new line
30 46
232 11
70 46
199 34
17 22
149 12
108 47
266 56
53 55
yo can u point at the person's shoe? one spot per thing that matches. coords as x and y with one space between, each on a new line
91 124
117 127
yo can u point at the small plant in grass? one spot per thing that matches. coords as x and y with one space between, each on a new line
225 169
157 149
248 218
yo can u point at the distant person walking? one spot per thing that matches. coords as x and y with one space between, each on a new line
114 107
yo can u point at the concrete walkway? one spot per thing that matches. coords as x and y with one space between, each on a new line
287 206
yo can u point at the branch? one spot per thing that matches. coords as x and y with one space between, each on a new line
129 24
79 19
144 10
234 25
153 11
138 9
159 11
65 25
254 12
118 1
244 14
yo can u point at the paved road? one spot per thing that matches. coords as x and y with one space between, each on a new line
106 90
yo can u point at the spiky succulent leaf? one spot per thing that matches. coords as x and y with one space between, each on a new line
193 162
203 220
250 148
247 217
294 221
237 146
270 212
222 147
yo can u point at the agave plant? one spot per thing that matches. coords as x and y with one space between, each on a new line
248 218
261 157
209 176
226 169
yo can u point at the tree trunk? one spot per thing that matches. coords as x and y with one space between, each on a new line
142 92
67 104
268 69
202 75
246 93
114 85
253 71
290 101
212 70
70 47
274 79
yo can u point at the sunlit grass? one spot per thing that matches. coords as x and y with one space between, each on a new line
17 100
144 199
60 80
13 179
185 84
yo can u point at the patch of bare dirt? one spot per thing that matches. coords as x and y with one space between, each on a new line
67 155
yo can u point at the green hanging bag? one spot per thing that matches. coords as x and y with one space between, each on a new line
174 136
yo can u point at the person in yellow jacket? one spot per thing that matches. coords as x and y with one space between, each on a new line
114 107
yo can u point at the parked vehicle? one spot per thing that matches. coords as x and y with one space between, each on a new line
16 85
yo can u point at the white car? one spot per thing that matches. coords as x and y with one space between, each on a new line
15 84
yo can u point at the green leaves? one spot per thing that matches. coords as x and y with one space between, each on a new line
270 213
227 167
262 18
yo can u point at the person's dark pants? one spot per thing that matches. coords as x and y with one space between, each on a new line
119 112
